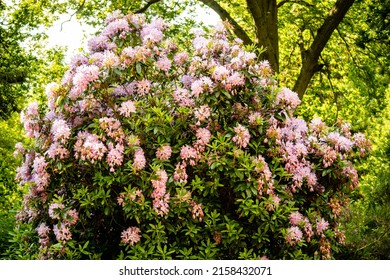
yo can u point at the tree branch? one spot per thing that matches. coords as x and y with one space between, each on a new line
72 15
148 4
310 61
224 15
281 3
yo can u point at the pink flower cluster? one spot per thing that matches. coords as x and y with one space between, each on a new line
131 235
242 137
287 99
89 147
164 152
159 195
300 227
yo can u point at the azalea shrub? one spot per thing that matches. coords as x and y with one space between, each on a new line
151 149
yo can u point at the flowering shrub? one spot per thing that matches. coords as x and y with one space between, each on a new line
148 151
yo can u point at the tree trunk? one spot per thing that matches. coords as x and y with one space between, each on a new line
265 16
310 57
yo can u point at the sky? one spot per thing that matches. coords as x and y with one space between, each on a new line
74 35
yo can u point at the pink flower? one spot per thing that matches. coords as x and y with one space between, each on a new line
350 172
164 152
72 217
295 218
203 135
139 160
131 235
54 210
89 147
60 131
197 87
242 137
110 59
196 210
294 235
181 58
115 156
189 153
43 230
180 174
19 149
161 205
317 126
255 118
340 143
62 232
117 14
143 87
164 64
151 34
202 113
127 108
362 143
287 99
98 43
57 149
183 98
220 73
112 127
321 225
329 155
119 25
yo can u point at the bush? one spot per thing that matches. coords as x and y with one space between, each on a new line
150 151
368 226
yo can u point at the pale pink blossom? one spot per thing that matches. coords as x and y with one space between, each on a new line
190 154
62 232
110 59
203 136
202 113
72 217
242 136
164 64
139 162
115 156
196 210
55 210
183 97
89 147
55 150
116 26
350 172
255 118
19 149
143 87
295 218
131 235
161 205
114 15
340 142
60 131
321 225
180 174
151 34
164 152
294 235
287 99
180 58
127 108
43 230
